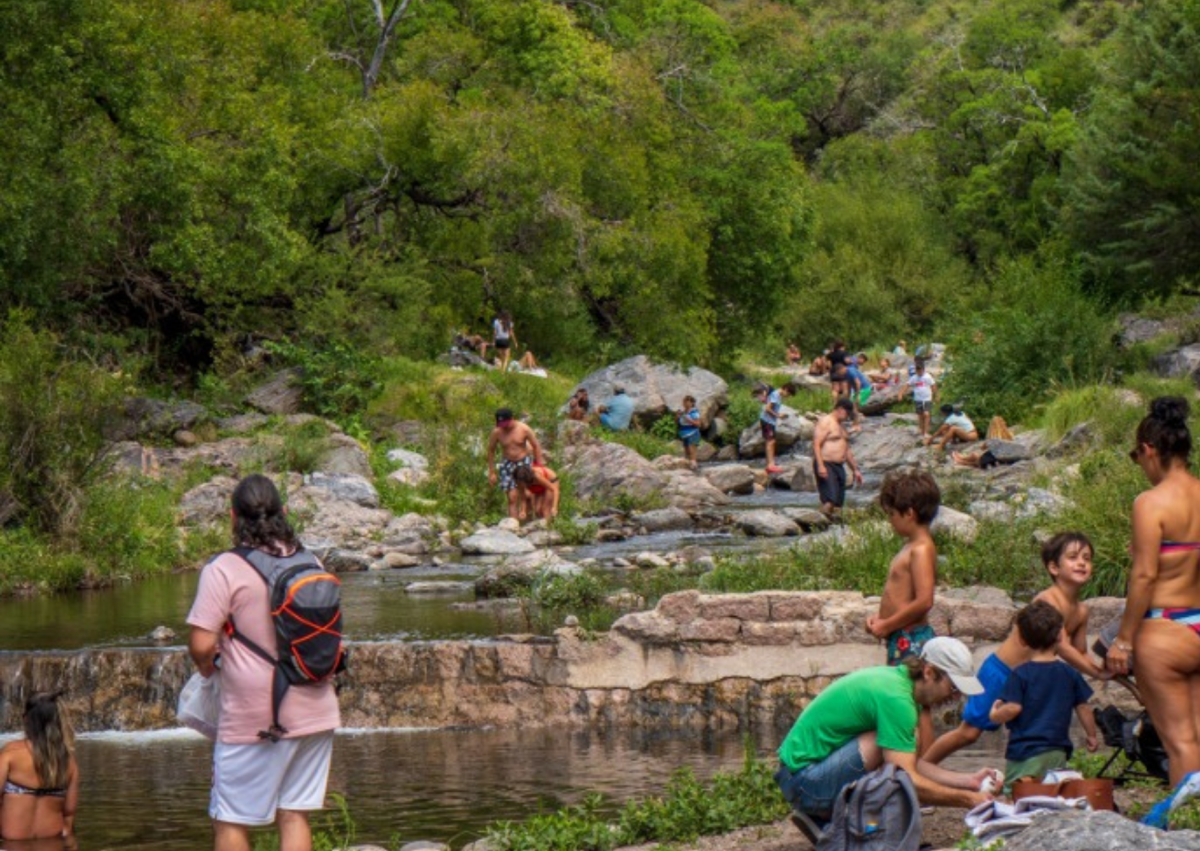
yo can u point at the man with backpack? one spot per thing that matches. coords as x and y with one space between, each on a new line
267 616
868 719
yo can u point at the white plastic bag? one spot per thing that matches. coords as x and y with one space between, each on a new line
200 704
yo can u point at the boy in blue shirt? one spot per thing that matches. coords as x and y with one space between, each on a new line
772 402
687 421
1037 701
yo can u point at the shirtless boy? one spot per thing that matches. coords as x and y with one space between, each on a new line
831 454
1068 559
911 500
519 447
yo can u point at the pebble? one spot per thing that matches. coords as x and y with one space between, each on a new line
162 633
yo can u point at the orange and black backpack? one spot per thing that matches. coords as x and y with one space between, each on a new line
306 608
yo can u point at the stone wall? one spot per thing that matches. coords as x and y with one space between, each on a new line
696 661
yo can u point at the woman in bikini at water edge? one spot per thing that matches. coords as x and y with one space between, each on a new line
39 775
1160 629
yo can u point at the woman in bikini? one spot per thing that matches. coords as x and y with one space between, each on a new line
40 778
1160 629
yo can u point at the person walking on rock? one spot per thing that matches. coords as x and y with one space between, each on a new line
831 454
257 781
772 410
519 447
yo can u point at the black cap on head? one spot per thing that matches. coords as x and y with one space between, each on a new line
947 408
503 415
618 389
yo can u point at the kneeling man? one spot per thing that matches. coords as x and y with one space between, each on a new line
870 717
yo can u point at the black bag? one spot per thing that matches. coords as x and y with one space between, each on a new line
306 609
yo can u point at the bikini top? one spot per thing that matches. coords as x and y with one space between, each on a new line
13 788
1179 546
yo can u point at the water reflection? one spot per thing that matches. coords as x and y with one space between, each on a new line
150 791
376 607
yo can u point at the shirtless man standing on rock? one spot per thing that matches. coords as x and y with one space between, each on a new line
831 454
520 448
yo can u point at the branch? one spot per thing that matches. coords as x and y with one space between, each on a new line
387 30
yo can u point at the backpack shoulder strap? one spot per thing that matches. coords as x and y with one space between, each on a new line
248 555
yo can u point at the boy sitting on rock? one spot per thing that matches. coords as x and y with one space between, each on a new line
1037 701
1068 559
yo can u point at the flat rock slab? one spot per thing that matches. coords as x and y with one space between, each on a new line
663 520
439 587
766 524
1098 831
281 394
495 542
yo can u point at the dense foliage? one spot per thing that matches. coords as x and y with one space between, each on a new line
683 177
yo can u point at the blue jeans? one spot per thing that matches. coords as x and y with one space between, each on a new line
813 788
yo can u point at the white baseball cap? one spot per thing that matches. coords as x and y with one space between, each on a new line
952 657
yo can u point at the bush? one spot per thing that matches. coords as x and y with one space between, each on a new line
339 379
1040 333
687 809
52 411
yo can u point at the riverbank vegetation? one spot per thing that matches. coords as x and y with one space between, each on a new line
200 193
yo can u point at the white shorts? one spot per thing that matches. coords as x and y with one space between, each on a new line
251 782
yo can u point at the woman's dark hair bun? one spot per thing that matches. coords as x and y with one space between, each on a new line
1171 411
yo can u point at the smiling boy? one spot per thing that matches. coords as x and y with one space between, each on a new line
1068 559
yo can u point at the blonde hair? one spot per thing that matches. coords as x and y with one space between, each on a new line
51 738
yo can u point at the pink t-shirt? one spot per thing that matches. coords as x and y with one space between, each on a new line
230 586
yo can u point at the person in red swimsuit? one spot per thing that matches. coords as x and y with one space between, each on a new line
541 486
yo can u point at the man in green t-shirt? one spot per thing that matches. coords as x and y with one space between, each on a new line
870 717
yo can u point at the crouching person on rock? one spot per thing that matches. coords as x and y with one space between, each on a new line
869 718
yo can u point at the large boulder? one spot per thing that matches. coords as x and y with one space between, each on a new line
1041 501
1098 830
325 516
886 448
657 389
792 429
412 467
208 504
345 456
345 486
495 542
663 520
282 393
142 417
1009 451
767 524
520 571
803 479
731 478
1181 363
690 491
1138 329
881 400
955 524
606 470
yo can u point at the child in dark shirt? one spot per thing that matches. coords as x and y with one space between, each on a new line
1037 701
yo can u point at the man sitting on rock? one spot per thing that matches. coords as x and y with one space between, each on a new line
870 717
616 413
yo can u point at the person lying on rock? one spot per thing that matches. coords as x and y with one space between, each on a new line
870 717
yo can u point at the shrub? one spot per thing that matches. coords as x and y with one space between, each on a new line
1040 333
339 379
52 410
